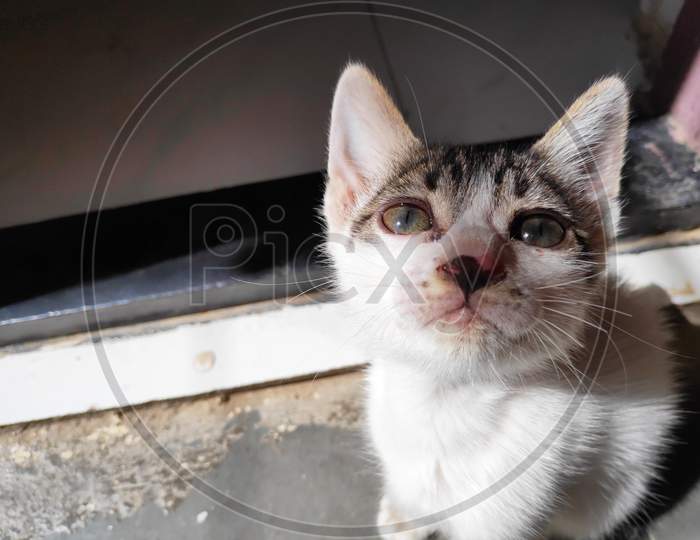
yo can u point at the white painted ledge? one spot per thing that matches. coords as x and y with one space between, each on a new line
230 349
63 377
675 269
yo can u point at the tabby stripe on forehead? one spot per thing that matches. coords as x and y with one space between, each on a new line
557 189
452 163
431 179
498 180
450 154
498 177
460 172
522 183
412 165
457 171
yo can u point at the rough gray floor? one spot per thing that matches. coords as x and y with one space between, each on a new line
293 450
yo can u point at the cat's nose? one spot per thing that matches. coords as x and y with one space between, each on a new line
472 274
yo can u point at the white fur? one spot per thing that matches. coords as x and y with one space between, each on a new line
442 443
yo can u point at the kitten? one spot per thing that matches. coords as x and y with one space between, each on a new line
518 391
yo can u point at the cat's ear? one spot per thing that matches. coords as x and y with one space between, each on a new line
587 145
367 135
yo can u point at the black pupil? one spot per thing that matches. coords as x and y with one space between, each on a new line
405 218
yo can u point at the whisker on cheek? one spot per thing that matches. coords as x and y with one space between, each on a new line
579 319
571 282
574 340
547 300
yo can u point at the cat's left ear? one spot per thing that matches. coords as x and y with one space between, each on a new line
367 137
587 145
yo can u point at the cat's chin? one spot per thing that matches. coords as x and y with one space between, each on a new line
465 318
449 313
453 321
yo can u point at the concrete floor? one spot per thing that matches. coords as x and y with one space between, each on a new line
294 450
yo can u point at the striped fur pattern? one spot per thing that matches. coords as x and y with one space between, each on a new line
469 384
513 176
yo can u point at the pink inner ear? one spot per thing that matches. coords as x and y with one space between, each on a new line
367 131
339 201
348 200
345 180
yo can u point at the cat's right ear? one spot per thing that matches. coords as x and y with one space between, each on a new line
367 135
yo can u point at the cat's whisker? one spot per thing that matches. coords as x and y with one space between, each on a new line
385 310
563 354
580 302
570 316
550 356
581 377
568 364
572 338
620 357
302 293
679 355
281 283
578 280
616 327
590 264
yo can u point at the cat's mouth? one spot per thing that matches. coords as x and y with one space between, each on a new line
459 317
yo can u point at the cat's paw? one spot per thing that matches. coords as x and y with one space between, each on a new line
388 516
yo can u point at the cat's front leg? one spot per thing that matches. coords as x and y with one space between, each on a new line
388 519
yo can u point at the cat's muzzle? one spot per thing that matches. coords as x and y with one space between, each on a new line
470 274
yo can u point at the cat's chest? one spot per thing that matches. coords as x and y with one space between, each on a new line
412 420
445 446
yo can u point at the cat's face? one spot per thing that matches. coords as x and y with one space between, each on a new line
471 260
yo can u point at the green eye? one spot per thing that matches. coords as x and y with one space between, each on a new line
539 230
406 218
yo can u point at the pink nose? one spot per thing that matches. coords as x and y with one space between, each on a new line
472 274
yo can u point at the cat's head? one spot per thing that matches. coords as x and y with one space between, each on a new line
466 259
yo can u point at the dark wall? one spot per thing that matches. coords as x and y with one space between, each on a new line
258 109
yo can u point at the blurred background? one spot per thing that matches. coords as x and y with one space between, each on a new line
161 173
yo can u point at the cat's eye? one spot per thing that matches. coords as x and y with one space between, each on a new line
406 218
539 230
